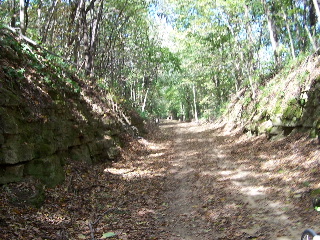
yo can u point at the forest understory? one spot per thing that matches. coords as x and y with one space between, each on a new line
184 181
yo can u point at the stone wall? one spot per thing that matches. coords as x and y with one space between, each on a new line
48 116
285 104
39 144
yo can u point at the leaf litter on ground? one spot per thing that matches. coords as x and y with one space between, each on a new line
137 197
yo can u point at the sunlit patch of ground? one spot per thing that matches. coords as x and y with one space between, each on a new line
268 181
187 181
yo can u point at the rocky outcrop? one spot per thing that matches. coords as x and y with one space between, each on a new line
287 103
48 116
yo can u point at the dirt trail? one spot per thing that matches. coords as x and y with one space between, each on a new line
221 185
183 182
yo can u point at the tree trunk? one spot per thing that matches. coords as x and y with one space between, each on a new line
39 17
289 33
249 60
85 36
316 6
195 102
22 17
272 32
143 108
89 34
94 37
49 20
13 14
313 44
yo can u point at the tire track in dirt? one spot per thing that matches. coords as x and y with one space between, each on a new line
213 192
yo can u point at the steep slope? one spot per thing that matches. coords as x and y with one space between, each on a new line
290 101
49 116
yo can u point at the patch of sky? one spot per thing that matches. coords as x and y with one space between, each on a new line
163 17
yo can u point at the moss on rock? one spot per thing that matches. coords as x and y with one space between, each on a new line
49 170
293 112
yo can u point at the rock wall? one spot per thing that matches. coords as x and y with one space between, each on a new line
289 102
48 116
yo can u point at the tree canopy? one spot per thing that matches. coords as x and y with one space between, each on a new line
178 58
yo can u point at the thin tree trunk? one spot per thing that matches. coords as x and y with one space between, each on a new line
46 28
22 17
76 35
89 35
272 33
289 33
313 44
195 102
51 35
143 108
94 37
26 5
181 118
39 17
85 37
13 14
134 92
316 6
249 60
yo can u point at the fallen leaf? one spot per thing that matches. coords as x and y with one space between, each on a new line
81 236
108 235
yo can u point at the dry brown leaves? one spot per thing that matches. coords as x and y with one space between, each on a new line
234 184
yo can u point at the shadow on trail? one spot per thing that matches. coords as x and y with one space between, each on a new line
232 187
200 182
185 182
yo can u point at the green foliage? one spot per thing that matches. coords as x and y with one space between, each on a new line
14 74
217 48
144 115
293 110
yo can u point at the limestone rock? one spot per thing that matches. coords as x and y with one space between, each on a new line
49 170
12 173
